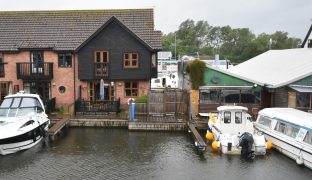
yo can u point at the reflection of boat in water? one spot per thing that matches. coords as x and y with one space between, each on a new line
23 122
233 132
290 131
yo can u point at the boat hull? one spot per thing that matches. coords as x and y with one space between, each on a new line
23 141
302 156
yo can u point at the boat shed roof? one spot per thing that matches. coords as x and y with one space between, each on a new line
277 68
290 115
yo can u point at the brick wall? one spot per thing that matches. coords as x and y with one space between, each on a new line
144 87
10 68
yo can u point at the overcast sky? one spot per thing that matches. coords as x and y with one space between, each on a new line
292 16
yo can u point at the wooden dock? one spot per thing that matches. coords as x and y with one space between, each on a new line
57 127
199 142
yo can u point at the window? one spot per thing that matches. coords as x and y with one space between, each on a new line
1 57
265 121
65 60
210 96
287 129
37 61
231 96
308 137
303 100
131 60
238 117
101 56
227 117
4 89
131 89
62 89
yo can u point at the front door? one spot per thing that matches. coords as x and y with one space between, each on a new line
37 62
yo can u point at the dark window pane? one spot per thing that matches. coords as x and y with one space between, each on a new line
127 85
128 92
227 117
134 63
126 56
134 85
98 57
135 93
127 63
105 56
134 56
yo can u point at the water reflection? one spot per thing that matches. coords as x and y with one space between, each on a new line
97 153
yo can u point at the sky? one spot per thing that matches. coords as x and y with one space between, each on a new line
260 16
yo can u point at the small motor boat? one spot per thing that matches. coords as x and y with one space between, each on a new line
231 131
23 122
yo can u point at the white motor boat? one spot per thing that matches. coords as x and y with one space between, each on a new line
233 132
290 131
23 122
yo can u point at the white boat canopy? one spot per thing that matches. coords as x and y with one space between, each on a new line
229 108
290 115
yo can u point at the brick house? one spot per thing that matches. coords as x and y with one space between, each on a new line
66 54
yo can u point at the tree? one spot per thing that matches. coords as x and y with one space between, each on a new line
196 70
236 45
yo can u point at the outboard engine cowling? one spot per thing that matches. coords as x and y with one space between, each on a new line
246 141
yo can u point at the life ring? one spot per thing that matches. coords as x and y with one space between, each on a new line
130 100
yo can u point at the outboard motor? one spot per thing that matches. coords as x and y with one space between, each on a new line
246 141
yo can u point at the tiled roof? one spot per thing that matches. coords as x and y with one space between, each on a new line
67 30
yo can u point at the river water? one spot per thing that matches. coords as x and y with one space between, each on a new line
96 153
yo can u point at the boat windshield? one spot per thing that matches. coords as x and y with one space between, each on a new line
20 106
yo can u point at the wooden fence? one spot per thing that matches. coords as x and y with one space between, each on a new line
164 102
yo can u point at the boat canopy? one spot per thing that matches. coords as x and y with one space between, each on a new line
289 115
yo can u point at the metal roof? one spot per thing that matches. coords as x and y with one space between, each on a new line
277 68
301 89
68 29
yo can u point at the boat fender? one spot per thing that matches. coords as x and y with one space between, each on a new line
269 144
209 136
299 159
215 145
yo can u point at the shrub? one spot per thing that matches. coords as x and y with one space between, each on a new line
141 99
196 70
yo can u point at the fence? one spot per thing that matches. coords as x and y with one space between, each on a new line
83 106
164 102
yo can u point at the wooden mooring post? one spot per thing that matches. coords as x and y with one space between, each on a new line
199 142
57 127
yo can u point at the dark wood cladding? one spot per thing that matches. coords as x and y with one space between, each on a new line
117 40
31 71
280 97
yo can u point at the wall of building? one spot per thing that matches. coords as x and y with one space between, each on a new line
61 77
10 68
117 41
120 92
